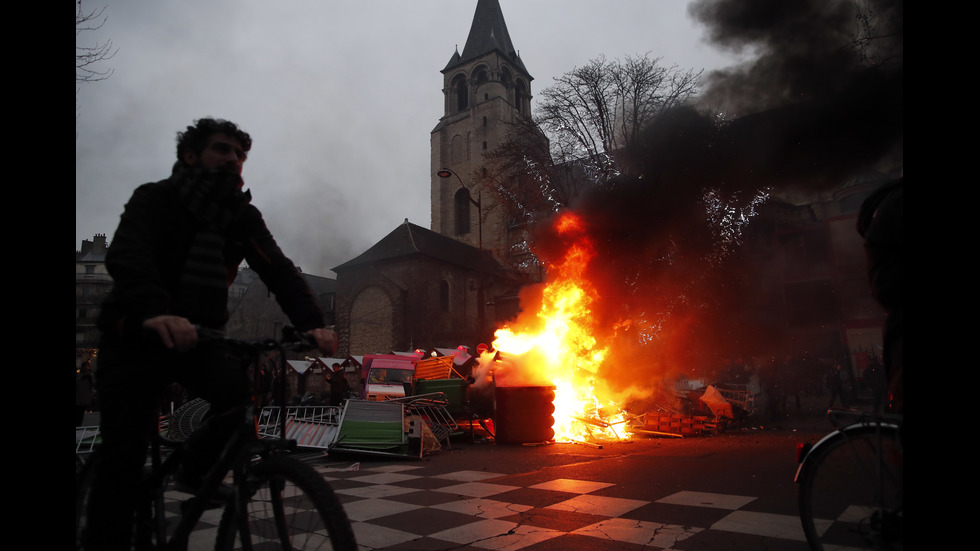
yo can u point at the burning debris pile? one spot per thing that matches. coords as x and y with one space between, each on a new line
555 346
644 282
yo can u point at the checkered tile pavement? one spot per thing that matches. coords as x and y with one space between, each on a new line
410 507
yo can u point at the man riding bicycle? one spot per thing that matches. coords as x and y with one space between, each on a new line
175 252
880 223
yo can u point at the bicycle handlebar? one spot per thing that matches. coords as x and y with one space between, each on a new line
291 340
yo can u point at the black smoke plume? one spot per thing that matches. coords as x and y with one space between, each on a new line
821 101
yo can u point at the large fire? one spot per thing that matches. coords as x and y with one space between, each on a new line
556 347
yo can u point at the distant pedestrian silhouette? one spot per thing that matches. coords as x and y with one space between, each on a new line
84 389
835 384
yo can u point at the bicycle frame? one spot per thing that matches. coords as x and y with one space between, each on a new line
193 508
235 456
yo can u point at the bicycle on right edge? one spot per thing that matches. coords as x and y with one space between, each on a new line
851 483
276 501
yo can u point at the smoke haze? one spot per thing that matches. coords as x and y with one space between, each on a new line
821 102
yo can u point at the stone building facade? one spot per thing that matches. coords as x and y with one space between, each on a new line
92 285
485 88
449 285
419 289
809 255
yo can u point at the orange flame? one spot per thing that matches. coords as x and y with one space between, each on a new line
556 347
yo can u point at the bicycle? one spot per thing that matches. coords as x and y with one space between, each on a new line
276 502
851 483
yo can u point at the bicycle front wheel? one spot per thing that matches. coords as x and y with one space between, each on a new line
84 473
851 490
287 505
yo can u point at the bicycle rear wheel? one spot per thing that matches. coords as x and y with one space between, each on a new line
851 490
287 505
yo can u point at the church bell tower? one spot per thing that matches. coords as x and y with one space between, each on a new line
484 89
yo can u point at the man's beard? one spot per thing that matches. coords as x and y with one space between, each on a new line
230 173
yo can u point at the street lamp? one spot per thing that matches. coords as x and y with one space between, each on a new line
446 173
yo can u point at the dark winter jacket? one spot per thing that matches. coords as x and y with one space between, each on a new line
150 247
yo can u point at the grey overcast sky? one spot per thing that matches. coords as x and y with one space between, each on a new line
340 97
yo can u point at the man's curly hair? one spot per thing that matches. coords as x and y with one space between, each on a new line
196 137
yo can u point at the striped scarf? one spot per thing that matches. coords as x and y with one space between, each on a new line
213 199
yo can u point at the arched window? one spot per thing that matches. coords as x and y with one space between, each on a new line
521 100
508 81
462 93
506 78
462 211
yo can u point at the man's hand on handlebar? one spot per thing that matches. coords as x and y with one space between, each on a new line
174 331
326 340
179 333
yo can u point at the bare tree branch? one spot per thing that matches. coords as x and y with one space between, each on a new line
87 58
582 123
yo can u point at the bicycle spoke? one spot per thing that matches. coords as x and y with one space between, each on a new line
291 507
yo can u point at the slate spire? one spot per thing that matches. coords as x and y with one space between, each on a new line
487 34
